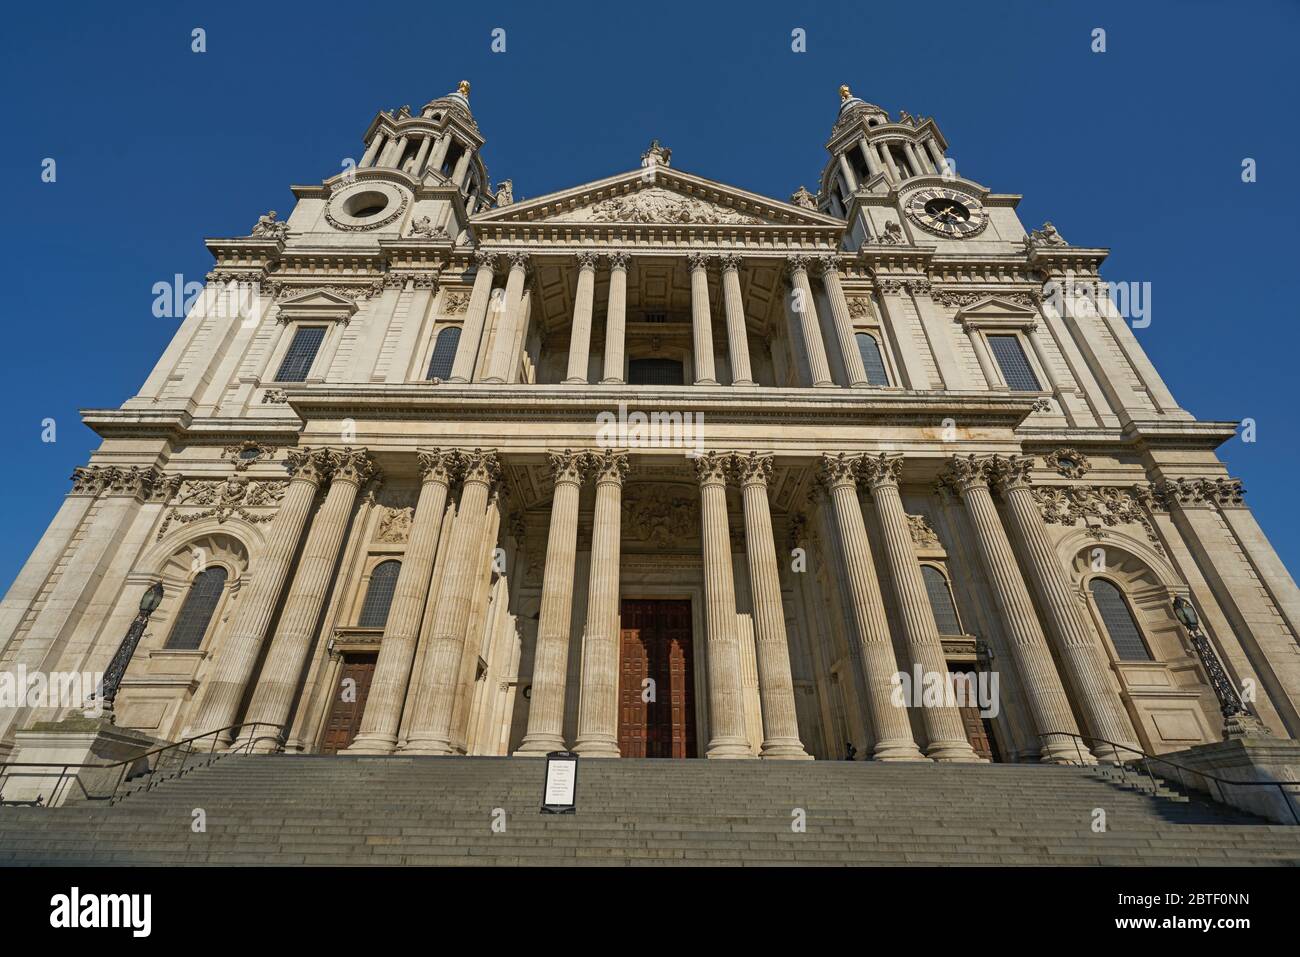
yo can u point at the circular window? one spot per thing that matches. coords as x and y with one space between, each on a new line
364 205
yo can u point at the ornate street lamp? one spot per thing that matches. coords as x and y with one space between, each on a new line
149 603
1237 719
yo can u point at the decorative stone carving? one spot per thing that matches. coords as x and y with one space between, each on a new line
349 464
440 464
882 469
283 289
860 309
1068 461
663 206
892 235
268 227
425 229
364 227
1198 492
455 303
1045 235
839 469
801 197
659 516
1070 504
657 155
222 500
751 468
394 525
712 467
923 534
274 397
505 193
247 453
568 466
308 463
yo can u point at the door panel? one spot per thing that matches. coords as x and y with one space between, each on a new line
345 716
656 645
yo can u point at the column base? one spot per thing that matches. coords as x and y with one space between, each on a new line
897 750
824 385
729 749
1064 751
430 746
597 748
575 381
612 382
783 749
953 751
372 744
706 381
1110 754
744 384
493 380
456 380
539 746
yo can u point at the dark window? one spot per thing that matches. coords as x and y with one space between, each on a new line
1013 363
872 360
1118 619
196 614
374 611
945 612
654 372
302 351
444 354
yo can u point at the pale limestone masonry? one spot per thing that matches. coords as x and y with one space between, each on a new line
417 449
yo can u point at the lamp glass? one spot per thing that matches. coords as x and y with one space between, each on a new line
152 598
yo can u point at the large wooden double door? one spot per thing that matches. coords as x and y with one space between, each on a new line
656 689
349 702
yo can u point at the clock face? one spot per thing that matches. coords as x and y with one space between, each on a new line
947 212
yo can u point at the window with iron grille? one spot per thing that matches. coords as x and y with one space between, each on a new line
654 317
196 614
302 352
872 360
444 353
941 603
383 580
1116 615
654 372
1014 364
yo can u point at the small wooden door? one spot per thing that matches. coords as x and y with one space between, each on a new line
979 732
656 644
349 702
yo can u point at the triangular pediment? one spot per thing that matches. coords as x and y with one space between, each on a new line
318 303
658 196
993 307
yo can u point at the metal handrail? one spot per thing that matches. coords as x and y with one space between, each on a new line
126 764
1146 760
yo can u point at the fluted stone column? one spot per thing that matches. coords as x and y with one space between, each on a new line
727 737
615 319
580 334
1080 655
869 154
1043 690
737 337
278 681
701 321
598 705
555 619
809 330
471 335
503 358
392 678
848 343
430 731
775 682
890 724
224 689
943 725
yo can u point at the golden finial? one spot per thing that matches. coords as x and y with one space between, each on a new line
844 91
463 87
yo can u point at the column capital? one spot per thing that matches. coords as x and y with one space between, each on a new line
839 470
608 466
828 266
486 259
438 465
698 261
1010 471
588 259
519 259
87 480
568 466
311 465
751 468
481 466
881 470
731 262
351 465
966 472
794 265
131 481
711 468
618 260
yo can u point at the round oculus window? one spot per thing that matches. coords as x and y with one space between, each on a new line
366 204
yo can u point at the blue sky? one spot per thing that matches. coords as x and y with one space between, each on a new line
1138 149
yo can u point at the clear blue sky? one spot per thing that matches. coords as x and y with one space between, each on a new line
1138 149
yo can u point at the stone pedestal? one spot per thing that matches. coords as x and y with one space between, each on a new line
71 741
1249 758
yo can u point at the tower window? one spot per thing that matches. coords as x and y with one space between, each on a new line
302 353
654 372
1121 628
196 614
379 596
941 603
872 360
1013 362
444 353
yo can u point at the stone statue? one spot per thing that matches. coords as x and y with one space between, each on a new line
1045 235
906 117
657 155
268 228
505 193
893 234
801 197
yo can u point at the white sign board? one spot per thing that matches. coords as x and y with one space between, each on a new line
561 782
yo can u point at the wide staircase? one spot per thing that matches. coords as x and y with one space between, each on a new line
282 809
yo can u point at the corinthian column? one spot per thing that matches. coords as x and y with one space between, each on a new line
775 683
299 617
1046 696
848 343
580 335
501 365
737 337
727 738
890 725
809 330
392 677
555 620
430 731
1080 655
224 689
701 320
480 300
944 731
615 319
598 706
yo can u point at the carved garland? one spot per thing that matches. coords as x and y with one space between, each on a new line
221 500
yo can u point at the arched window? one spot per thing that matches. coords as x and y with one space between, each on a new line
1118 619
941 603
196 614
374 611
654 372
444 353
872 360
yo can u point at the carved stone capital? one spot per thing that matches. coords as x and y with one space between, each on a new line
1010 472
588 260
351 465
881 470
568 466
481 466
1203 493
828 266
698 261
752 468
132 480
796 265
519 259
711 468
839 470
87 480
608 465
730 262
438 465
964 472
619 260
486 259
311 465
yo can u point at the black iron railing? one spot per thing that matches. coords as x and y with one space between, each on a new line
160 764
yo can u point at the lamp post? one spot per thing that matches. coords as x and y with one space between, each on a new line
149 603
1237 719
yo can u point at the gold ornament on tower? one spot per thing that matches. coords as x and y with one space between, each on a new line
463 87
844 91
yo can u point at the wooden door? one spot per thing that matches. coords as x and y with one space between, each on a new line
655 644
979 732
349 702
